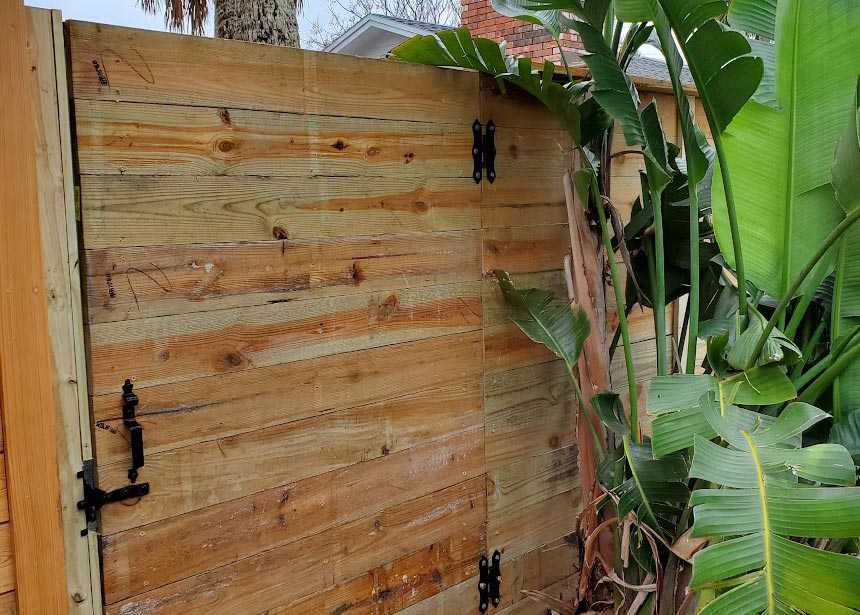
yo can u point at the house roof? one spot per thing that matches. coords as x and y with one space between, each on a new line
376 34
425 26
374 26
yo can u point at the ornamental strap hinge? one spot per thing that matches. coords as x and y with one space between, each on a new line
489 582
95 498
484 151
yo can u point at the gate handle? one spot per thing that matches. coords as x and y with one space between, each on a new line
130 401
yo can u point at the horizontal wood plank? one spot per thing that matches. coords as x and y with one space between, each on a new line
400 584
7 559
529 411
183 347
205 474
165 210
145 139
644 355
549 568
526 249
135 559
140 282
496 309
507 347
524 483
176 415
4 495
113 63
8 604
532 526
307 566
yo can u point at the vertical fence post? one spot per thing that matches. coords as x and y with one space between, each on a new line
26 397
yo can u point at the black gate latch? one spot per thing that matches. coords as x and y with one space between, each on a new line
489 582
484 151
135 429
95 498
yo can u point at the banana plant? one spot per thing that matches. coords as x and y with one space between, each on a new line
768 486
776 502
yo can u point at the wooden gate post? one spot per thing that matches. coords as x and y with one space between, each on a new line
26 398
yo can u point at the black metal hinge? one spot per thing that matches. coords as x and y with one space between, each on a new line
484 151
489 582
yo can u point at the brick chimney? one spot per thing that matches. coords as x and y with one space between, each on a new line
522 38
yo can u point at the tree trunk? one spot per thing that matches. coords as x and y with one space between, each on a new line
258 21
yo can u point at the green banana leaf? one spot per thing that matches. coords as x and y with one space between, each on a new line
458 48
609 409
758 17
547 319
846 295
847 433
726 75
777 349
674 402
789 148
653 487
758 567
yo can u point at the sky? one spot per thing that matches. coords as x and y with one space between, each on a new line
128 13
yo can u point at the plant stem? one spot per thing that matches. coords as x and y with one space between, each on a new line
817 388
806 377
834 235
658 290
836 322
693 302
598 446
807 348
740 271
622 323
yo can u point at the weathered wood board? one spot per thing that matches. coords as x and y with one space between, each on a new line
287 255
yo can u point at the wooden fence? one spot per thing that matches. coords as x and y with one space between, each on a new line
287 254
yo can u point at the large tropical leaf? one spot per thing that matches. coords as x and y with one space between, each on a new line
547 320
674 402
612 87
457 48
762 507
653 487
725 74
780 157
846 296
754 16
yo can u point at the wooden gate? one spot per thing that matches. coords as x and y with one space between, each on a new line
286 254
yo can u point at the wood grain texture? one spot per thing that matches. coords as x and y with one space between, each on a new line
140 282
318 562
62 281
507 347
205 474
496 309
217 535
163 139
177 415
112 63
8 604
549 568
400 584
525 249
7 559
532 526
139 211
183 347
532 480
26 395
529 411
